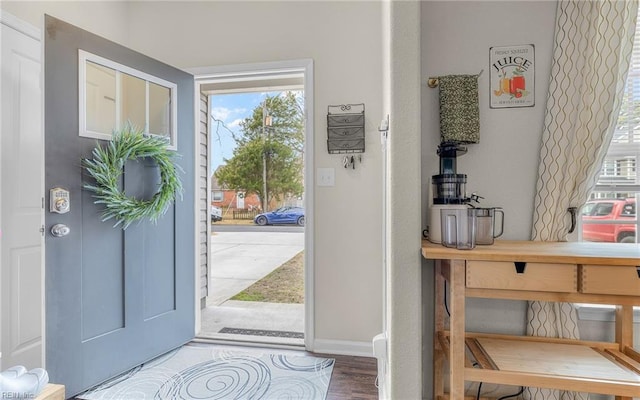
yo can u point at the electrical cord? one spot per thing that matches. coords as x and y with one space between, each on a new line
479 388
446 306
503 397
513 395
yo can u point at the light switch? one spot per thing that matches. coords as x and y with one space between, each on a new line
326 177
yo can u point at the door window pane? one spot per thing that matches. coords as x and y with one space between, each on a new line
100 92
133 94
113 94
159 110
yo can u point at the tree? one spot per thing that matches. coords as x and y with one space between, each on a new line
281 144
287 121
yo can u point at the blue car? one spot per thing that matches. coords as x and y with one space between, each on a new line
283 215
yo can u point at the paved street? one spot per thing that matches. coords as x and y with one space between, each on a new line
251 227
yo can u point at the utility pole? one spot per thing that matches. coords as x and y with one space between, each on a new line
266 121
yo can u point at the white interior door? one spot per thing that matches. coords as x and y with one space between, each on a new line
21 181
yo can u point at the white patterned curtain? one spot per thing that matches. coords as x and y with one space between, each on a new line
592 49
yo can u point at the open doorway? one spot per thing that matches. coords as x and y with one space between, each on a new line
259 271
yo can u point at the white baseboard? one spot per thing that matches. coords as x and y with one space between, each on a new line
343 347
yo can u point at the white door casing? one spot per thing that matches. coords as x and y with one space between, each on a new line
21 182
256 72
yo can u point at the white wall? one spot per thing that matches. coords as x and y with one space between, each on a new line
344 40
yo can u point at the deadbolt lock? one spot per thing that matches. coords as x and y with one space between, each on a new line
59 200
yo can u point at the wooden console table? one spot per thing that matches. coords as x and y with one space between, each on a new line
52 392
600 273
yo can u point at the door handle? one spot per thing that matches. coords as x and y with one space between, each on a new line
60 230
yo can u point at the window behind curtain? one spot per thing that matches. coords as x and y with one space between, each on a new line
610 214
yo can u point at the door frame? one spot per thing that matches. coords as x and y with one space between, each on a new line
204 75
35 33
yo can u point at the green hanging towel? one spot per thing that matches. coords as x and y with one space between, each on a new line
459 110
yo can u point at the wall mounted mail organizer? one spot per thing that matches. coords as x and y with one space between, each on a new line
345 129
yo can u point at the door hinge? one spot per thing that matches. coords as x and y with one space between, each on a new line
42 230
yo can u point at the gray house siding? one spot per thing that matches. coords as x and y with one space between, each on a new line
203 201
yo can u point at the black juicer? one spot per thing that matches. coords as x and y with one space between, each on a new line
448 187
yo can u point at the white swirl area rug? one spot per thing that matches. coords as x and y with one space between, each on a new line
203 372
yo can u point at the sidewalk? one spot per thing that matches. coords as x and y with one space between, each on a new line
239 259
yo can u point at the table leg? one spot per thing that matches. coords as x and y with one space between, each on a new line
624 326
624 332
438 353
457 329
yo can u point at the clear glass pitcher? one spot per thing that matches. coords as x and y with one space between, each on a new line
458 228
486 224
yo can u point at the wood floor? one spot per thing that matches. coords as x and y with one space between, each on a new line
353 378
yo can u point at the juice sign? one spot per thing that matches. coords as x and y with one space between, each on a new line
512 76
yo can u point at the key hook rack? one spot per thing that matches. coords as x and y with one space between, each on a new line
345 129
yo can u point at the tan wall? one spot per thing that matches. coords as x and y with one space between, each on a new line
108 19
403 195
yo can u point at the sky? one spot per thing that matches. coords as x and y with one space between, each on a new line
231 109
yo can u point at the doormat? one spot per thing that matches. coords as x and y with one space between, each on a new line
263 332
202 372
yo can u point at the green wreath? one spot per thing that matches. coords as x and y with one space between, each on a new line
107 166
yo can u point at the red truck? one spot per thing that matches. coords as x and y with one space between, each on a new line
620 212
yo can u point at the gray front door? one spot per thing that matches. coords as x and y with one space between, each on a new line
114 298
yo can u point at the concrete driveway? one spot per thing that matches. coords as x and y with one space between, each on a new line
241 258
